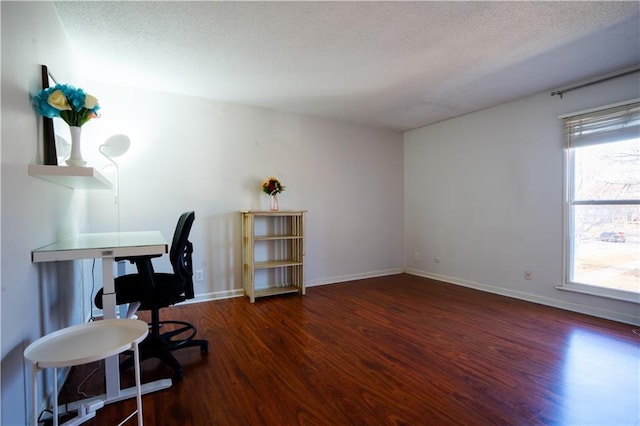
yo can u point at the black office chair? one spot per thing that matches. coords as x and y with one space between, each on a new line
159 290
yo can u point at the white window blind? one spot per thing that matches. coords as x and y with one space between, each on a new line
608 125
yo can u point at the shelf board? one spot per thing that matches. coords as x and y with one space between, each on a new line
278 237
274 213
276 264
272 291
71 177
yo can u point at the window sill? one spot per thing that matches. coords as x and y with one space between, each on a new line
625 296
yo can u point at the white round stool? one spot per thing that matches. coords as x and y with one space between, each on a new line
82 344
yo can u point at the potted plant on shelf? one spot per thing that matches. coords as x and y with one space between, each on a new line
72 105
272 186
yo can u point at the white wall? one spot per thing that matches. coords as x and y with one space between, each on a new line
191 153
34 299
483 193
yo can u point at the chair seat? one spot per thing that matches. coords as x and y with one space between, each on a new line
170 290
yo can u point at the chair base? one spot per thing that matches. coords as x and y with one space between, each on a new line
161 346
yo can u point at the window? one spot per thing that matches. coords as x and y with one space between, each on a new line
602 212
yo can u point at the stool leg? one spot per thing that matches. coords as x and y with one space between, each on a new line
34 394
55 396
136 360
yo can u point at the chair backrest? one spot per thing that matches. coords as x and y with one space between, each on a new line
181 250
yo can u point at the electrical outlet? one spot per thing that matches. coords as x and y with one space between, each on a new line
416 255
199 275
436 259
528 275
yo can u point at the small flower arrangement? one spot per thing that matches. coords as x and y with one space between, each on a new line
73 105
272 186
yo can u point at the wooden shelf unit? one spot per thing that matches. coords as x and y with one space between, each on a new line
273 246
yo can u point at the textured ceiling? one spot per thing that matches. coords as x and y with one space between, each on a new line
398 65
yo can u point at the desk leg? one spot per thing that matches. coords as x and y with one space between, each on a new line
111 364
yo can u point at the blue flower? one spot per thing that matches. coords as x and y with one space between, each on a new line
73 105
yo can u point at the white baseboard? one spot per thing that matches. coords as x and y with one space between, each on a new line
228 294
569 306
216 295
353 277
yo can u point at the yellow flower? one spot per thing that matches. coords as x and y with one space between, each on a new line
58 100
90 101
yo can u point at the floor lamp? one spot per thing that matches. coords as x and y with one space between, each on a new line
115 146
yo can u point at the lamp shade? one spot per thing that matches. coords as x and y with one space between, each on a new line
115 145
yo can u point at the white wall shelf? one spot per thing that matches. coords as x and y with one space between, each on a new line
71 177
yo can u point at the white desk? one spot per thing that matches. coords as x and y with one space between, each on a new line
107 246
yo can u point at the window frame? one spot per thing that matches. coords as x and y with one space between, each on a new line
568 222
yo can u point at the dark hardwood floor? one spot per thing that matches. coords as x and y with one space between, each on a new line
393 350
